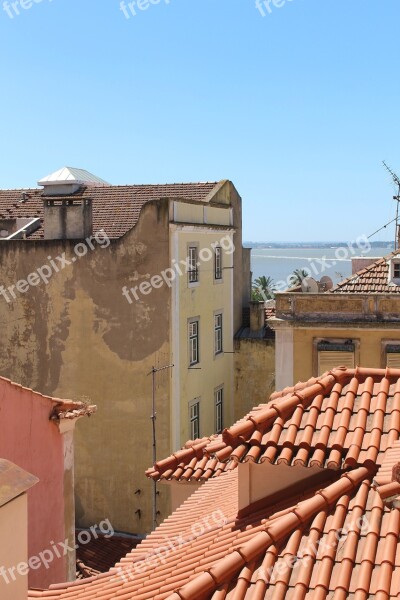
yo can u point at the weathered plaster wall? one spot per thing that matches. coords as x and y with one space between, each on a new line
37 448
79 337
254 373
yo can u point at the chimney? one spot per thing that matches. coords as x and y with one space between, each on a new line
67 213
67 219
361 262
257 315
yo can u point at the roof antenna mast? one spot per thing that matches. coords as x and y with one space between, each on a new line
396 181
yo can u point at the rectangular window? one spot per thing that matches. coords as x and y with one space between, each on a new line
396 270
193 342
193 269
219 410
332 355
218 262
194 417
218 334
393 356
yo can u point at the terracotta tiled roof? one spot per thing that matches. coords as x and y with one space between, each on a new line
335 538
333 422
59 409
373 279
387 480
116 209
101 553
297 549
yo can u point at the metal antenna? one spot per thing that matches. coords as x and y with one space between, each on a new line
396 181
153 418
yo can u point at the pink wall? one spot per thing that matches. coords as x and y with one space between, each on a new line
29 439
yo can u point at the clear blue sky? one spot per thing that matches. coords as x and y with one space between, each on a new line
297 108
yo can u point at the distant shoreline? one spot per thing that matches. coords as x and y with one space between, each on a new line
269 245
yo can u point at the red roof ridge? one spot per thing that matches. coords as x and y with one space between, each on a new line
229 566
62 409
243 441
233 436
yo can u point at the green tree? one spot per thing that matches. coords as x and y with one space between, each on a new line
296 278
263 289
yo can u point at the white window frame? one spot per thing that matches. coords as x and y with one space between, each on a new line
194 419
194 341
218 333
193 264
219 409
218 267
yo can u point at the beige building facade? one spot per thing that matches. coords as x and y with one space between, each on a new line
357 323
122 302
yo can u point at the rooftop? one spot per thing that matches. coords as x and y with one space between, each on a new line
60 409
116 209
102 552
13 481
326 422
332 538
72 175
373 279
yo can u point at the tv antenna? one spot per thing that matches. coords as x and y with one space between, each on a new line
396 181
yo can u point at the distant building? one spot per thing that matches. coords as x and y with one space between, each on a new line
37 433
299 500
101 283
355 323
254 358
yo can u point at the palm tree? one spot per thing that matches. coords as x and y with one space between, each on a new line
263 289
296 278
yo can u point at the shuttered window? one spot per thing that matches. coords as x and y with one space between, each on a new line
332 355
393 356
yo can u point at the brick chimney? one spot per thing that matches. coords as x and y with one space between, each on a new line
361 262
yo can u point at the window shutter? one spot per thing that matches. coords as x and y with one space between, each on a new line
331 359
393 360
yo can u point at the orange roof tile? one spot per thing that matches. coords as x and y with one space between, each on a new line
373 279
387 480
333 540
338 540
101 552
343 419
116 208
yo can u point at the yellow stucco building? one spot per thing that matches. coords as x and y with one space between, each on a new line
357 323
101 283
